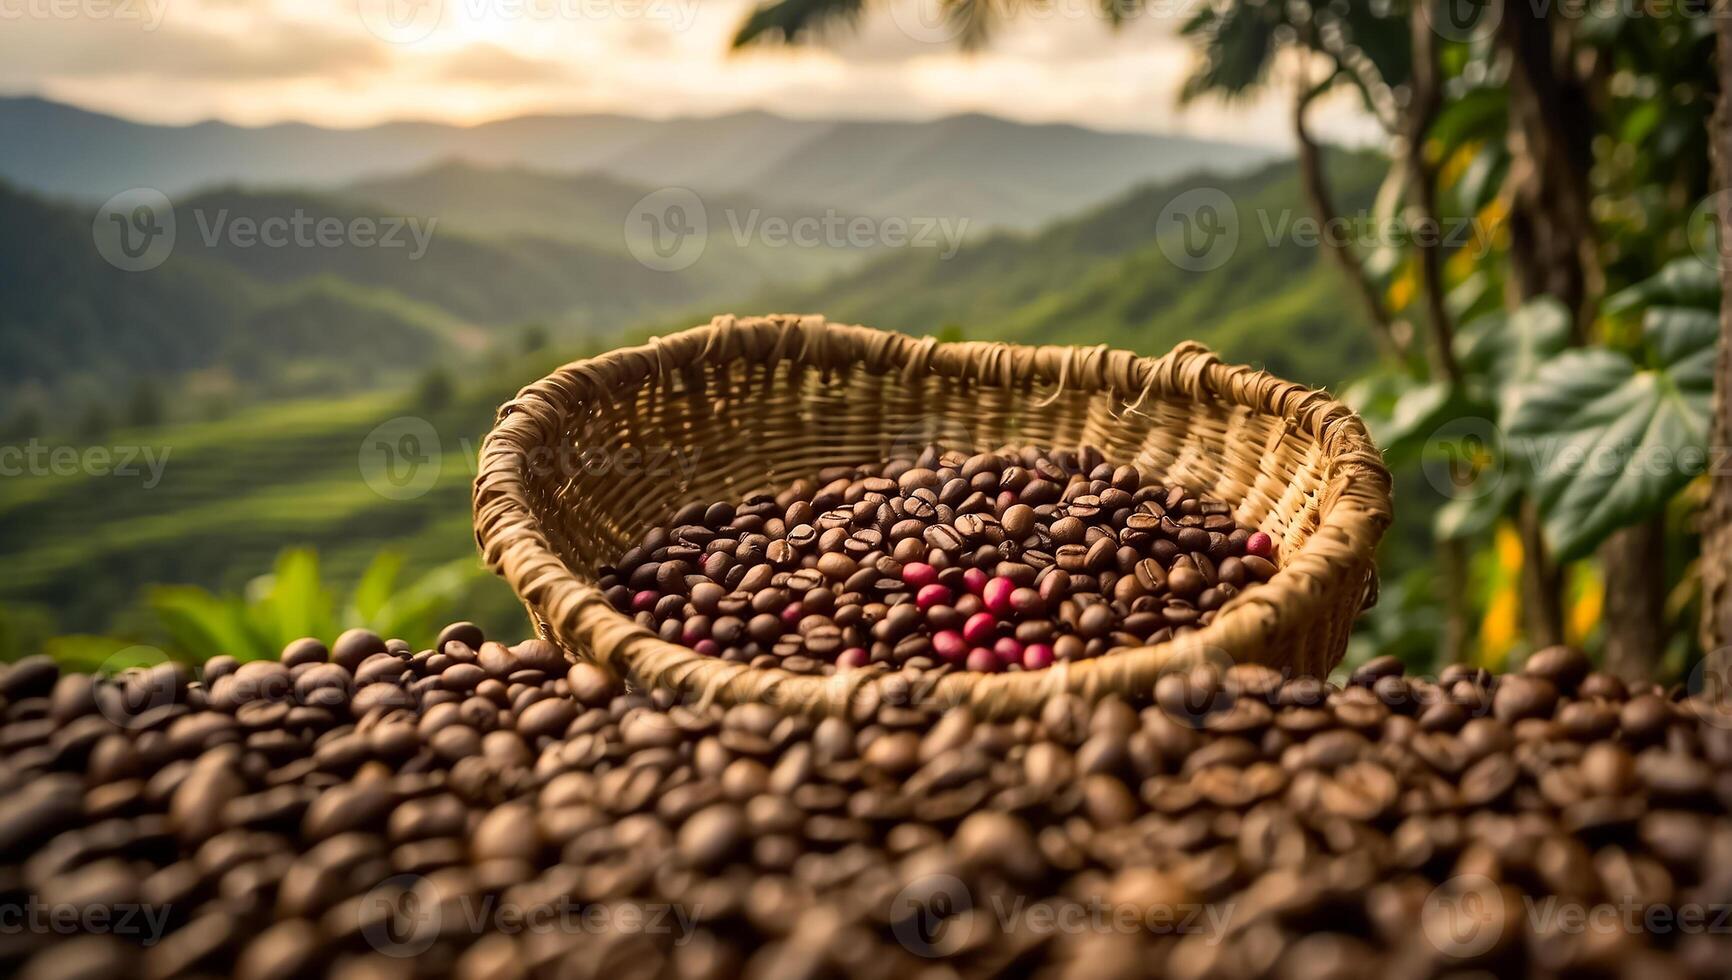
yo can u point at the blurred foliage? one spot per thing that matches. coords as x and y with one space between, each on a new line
1574 319
293 601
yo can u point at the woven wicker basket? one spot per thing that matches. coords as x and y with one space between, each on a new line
582 463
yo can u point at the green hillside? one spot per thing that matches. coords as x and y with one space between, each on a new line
236 491
596 210
1103 278
78 334
230 319
223 498
503 279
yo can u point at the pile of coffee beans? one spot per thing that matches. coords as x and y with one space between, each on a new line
1001 561
369 811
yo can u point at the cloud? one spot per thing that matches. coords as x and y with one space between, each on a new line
65 51
261 61
490 64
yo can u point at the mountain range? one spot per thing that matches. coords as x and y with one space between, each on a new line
327 338
991 171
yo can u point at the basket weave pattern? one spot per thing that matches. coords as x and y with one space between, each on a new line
582 463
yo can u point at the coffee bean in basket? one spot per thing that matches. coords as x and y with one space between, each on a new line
1003 561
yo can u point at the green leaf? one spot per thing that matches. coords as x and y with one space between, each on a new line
1608 442
1466 517
791 21
297 604
1480 181
1480 113
1687 282
1683 342
1238 43
418 607
1502 350
1473 293
205 625
1417 412
372 593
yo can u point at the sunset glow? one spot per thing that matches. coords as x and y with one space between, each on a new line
358 62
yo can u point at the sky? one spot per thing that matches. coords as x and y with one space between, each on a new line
358 62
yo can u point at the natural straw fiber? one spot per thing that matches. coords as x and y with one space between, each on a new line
582 463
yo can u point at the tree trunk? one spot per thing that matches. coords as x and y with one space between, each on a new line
1542 583
1551 129
1426 100
1553 238
1717 530
1322 203
1634 620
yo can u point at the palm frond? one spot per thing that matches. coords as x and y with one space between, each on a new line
1117 12
1238 41
973 21
793 21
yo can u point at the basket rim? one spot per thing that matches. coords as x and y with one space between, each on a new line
1353 513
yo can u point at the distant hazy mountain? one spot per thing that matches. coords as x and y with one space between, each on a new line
600 211
1109 276
237 490
992 171
298 316
497 280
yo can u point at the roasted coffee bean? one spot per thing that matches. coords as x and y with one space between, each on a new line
898 556
355 646
277 833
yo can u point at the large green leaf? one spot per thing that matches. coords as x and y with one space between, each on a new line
297 603
790 21
373 592
1500 351
1475 513
1687 282
1238 43
205 625
1607 441
419 606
